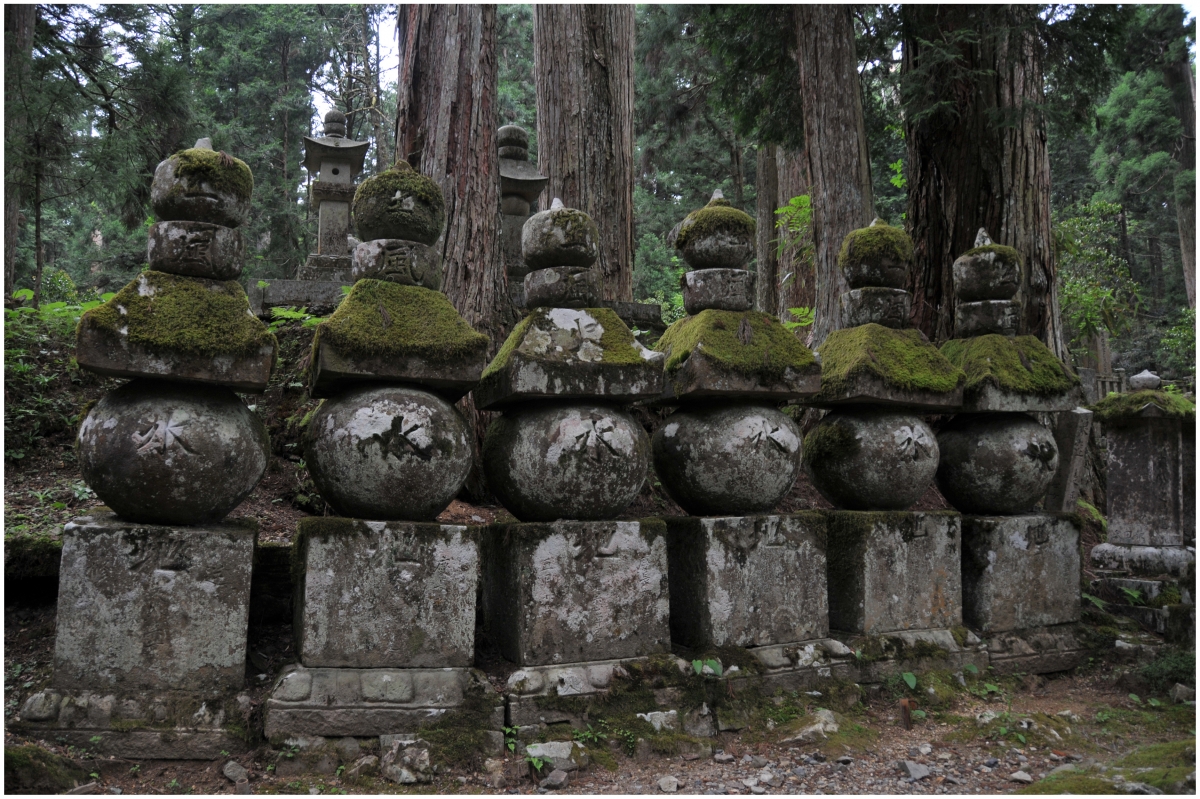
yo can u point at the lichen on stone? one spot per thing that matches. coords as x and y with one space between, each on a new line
769 352
873 244
716 217
1020 365
392 216
616 342
174 314
1003 254
902 359
1116 407
207 166
382 319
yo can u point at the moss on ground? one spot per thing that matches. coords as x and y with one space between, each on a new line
27 556
1119 407
173 314
1173 665
902 359
749 343
31 769
617 340
1071 783
716 217
1001 253
399 203
1021 365
875 243
222 172
388 320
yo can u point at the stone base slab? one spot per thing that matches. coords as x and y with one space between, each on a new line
334 370
1178 562
991 399
701 378
367 702
327 269
912 650
866 389
320 297
1037 650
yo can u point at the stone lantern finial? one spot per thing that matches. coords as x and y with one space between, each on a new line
335 125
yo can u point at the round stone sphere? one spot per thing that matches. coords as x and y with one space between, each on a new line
389 452
202 185
161 452
862 459
717 236
560 237
576 461
998 463
399 203
727 461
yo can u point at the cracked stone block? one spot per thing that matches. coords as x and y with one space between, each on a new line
1020 571
153 606
724 289
385 594
569 592
747 581
195 249
893 570
1151 481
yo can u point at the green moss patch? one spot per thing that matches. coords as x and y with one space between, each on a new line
382 319
1021 365
902 359
169 313
749 343
875 243
1116 407
379 206
31 769
617 340
1003 254
223 172
1068 783
27 556
716 217
829 442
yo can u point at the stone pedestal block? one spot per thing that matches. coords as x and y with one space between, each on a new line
724 289
747 581
510 245
409 263
327 268
881 306
562 287
986 316
385 594
153 607
1151 482
1020 572
893 571
569 592
1071 432
195 249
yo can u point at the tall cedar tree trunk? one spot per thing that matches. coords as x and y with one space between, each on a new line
836 145
446 129
583 66
980 161
797 273
1182 83
766 281
18 49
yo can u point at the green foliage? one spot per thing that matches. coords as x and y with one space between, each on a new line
801 317
1173 665
910 680
794 226
1177 347
656 271
589 736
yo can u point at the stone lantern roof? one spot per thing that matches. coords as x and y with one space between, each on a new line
333 146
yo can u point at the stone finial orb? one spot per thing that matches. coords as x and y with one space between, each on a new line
202 185
717 236
995 463
399 203
560 236
162 452
335 124
989 271
513 142
877 256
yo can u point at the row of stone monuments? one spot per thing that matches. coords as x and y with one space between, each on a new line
154 596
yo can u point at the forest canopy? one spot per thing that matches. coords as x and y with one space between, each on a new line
97 96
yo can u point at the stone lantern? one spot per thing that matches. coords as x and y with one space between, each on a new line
335 161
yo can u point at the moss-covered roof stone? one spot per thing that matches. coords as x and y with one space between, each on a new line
1020 365
749 343
379 318
176 314
223 172
874 244
594 335
902 359
716 217
1116 407
1001 253
399 203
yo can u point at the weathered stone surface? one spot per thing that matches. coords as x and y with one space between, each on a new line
152 607
197 249
1151 481
1020 572
170 453
716 236
318 296
724 289
149 744
561 755
881 306
573 461
566 354
327 268
871 459
1043 650
562 287
576 591
510 245
520 178
385 594
986 316
985 277
399 203
727 459
512 136
1176 561
188 329
406 761
893 571
995 463
877 255
369 702
200 185
1072 429
747 581
1144 379
702 377
409 263
559 237
388 452
514 205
